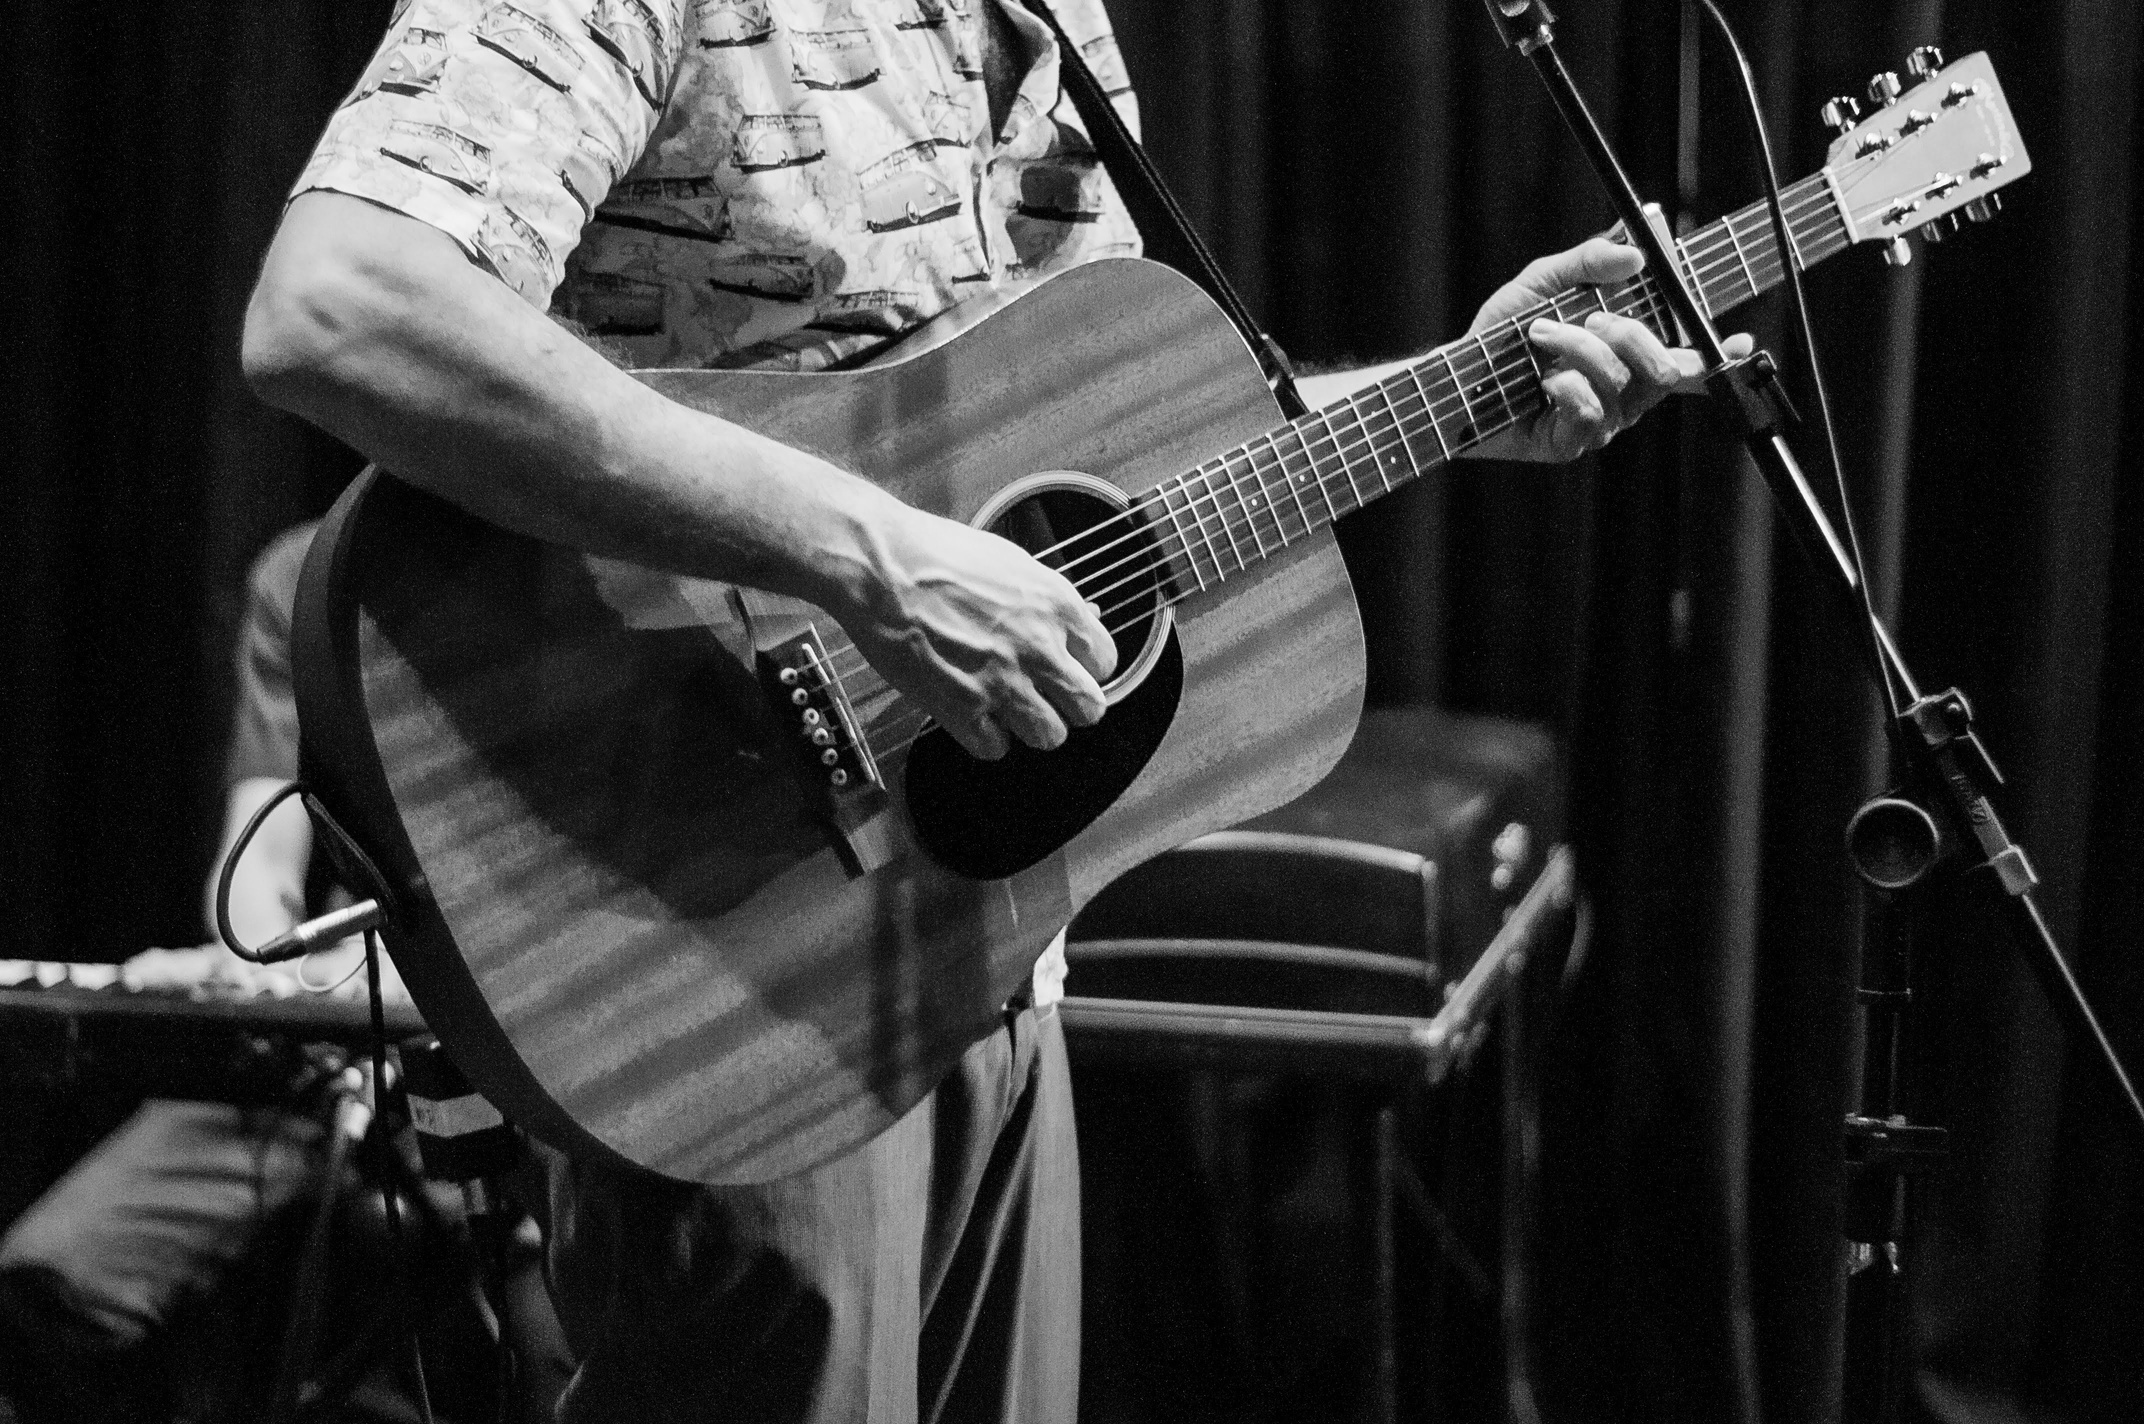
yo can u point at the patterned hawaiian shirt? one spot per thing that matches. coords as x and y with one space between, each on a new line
733 182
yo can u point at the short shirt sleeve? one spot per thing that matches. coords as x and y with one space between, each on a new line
503 124
264 718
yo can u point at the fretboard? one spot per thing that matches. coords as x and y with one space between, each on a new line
1295 479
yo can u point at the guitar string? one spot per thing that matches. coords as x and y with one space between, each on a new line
913 722
1716 256
1717 248
1717 252
1769 266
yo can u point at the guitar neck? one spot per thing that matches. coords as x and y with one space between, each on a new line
1272 491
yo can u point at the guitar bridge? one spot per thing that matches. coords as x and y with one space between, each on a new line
808 695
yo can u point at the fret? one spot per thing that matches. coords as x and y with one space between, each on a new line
1719 262
1249 506
1369 440
1276 509
1206 479
1429 408
1399 428
1295 486
1333 437
1747 274
1176 523
1191 503
1315 475
1473 430
1533 357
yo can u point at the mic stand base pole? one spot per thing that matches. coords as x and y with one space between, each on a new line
1936 749
1933 735
1893 843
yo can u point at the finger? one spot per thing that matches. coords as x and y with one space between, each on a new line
1579 350
1024 712
1089 641
978 733
1642 353
1072 690
1575 421
1583 352
1592 263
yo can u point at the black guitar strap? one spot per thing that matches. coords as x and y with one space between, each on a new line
1167 234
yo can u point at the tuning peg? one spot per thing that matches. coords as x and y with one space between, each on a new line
1924 61
1841 114
1883 89
1933 231
1980 210
1898 252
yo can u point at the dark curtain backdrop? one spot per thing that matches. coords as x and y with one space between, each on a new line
1368 171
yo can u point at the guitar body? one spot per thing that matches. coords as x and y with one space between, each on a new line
618 893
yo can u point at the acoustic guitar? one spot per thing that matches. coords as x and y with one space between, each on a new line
678 878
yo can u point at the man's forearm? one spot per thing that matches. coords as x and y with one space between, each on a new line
376 328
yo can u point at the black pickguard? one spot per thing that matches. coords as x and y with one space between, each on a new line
991 819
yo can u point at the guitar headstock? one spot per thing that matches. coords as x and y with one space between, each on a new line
1928 158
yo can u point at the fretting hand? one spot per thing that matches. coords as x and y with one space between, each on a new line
1606 373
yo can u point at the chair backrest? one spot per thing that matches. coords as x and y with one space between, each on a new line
1276 887
1266 919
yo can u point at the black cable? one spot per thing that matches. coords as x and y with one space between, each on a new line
231 858
1790 262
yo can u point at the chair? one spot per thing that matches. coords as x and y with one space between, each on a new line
1269 949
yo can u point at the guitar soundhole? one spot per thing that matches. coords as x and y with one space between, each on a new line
1085 532
992 819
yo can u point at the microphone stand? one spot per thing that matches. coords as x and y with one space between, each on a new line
1893 840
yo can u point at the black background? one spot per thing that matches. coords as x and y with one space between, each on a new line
1368 171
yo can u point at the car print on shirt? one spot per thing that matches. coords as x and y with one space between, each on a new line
733 24
513 247
765 142
949 119
613 304
878 310
835 60
691 206
968 51
1066 188
1107 62
771 277
441 152
628 31
589 169
411 67
526 41
920 15
901 191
